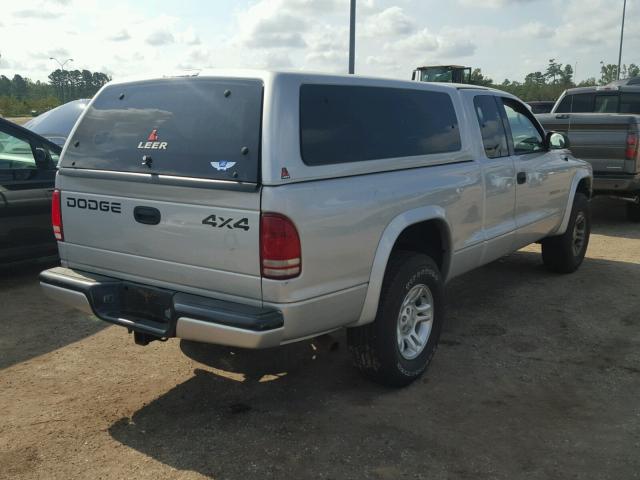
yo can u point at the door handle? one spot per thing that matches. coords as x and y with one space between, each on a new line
147 215
521 177
562 116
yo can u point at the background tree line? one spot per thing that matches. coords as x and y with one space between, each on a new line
22 96
548 85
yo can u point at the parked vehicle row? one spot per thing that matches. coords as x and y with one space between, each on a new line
253 209
603 126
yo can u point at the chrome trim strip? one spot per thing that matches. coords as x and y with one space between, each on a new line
158 179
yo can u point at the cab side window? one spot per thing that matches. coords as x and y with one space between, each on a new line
565 105
525 134
493 134
15 153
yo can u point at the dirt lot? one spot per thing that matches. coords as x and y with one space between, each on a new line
537 377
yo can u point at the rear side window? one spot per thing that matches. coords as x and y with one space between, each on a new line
343 123
630 103
583 103
493 135
191 127
577 103
606 104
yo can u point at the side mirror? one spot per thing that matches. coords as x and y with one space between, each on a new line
557 141
41 157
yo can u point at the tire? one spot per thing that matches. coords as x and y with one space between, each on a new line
564 253
376 347
633 212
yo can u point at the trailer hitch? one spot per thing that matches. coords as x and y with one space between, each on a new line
145 339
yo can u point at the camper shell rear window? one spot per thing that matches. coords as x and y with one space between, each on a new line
191 127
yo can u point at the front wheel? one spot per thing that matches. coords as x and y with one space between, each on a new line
398 346
564 253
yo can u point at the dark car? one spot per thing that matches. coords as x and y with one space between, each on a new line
56 124
27 173
541 106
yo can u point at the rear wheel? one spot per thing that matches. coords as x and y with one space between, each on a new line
564 253
633 212
397 347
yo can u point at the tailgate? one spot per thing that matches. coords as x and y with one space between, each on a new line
160 184
600 139
206 240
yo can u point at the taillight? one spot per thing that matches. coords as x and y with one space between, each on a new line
632 146
56 215
280 253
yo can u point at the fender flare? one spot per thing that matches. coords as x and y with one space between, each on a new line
577 178
387 241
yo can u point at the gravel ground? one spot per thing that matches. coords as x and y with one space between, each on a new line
537 377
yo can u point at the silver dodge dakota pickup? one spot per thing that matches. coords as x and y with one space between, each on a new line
257 208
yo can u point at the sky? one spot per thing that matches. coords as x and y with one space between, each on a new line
505 38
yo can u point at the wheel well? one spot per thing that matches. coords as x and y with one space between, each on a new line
429 237
584 186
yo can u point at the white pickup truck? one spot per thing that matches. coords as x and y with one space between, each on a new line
253 209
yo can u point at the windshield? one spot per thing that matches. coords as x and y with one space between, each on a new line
436 74
193 127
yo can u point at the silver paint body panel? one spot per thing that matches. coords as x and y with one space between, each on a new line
348 217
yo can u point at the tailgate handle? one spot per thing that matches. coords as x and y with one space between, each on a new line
147 215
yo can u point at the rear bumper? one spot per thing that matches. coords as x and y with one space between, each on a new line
616 184
165 313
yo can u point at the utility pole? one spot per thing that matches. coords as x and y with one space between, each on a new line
62 68
624 10
352 38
